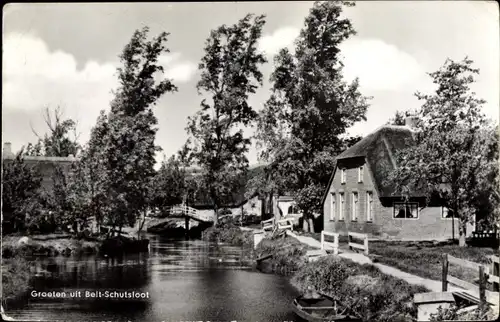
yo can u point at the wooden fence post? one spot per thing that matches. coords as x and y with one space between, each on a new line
495 271
445 273
366 244
335 244
482 285
322 241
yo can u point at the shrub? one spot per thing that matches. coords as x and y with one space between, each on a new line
15 276
288 254
228 234
363 288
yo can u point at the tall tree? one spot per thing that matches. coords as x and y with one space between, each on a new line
129 149
454 152
304 121
88 183
58 142
229 73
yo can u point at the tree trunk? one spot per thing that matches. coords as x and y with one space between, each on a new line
311 224
141 225
462 232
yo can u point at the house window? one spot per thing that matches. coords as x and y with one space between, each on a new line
332 207
360 174
369 206
342 176
341 206
406 210
446 213
354 209
293 209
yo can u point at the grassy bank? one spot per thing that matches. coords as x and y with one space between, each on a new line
288 255
15 276
374 295
425 259
46 246
229 234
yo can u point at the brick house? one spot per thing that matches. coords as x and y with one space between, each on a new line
358 198
44 165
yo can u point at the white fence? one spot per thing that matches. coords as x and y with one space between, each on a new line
325 245
267 224
363 237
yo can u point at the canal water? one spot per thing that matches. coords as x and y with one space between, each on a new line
178 280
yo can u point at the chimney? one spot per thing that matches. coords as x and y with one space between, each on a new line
411 121
7 149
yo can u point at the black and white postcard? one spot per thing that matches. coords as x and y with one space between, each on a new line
260 161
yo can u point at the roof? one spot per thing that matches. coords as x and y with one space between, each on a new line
378 149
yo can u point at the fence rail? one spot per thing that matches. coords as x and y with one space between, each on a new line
363 237
334 244
267 224
189 211
479 269
286 223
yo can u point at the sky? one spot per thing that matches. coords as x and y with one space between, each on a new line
66 55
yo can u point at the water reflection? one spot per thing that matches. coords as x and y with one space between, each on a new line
185 280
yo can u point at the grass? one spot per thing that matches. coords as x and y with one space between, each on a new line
425 260
15 276
48 246
372 294
288 255
229 234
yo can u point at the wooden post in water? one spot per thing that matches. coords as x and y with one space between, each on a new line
445 273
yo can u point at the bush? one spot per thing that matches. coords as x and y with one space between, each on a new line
288 254
230 234
363 288
15 276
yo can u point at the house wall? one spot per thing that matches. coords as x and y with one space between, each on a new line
46 167
251 207
428 226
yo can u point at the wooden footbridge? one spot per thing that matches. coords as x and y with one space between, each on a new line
180 211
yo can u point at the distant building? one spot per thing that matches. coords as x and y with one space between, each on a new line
45 165
358 198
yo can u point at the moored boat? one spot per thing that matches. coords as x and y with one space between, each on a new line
322 308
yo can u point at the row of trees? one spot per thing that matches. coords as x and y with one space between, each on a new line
113 178
303 124
301 129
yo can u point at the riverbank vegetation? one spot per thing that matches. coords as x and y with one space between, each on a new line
46 246
229 234
287 255
371 293
374 295
15 276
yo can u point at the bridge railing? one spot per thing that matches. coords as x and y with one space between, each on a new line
189 211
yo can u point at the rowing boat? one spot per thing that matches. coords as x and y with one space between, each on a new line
322 308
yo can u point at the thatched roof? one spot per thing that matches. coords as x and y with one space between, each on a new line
378 149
